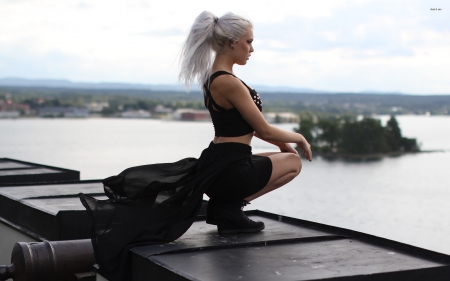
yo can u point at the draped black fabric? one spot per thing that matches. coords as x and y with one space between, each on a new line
153 204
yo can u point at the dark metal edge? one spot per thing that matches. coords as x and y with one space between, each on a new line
12 208
363 237
22 230
39 165
49 183
438 273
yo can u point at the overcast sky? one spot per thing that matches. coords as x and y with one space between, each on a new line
341 46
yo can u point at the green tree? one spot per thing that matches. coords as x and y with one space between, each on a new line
112 109
144 105
363 137
393 134
330 133
395 140
306 128
408 145
277 119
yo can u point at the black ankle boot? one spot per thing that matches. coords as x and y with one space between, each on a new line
211 212
231 218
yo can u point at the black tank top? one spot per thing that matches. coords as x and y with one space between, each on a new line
228 122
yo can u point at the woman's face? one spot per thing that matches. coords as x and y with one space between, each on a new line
243 48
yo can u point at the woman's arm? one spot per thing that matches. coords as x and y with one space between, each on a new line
284 147
234 91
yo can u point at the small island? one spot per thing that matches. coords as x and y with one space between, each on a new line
349 138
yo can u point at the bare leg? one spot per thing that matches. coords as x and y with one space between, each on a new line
285 167
266 153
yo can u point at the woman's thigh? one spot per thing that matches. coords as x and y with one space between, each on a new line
284 163
285 167
266 153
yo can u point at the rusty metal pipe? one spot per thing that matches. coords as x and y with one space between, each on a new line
57 260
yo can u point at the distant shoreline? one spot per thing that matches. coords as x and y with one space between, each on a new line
370 157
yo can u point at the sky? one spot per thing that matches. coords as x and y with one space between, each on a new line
337 46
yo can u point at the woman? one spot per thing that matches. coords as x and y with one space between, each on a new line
155 204
236 114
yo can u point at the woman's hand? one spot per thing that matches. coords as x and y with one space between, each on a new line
285 147
306 147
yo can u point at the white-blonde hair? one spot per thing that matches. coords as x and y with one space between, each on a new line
208 36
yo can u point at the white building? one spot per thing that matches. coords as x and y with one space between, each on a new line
96 106
68 112
281 117
9 114
136 114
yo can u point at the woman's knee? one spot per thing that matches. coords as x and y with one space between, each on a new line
285 163
296 163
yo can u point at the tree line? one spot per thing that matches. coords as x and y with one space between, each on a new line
347 135
337 104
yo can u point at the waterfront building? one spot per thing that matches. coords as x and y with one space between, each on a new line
136 114
59 111
9 114
162 112
281 117
9 109
188 114
96 107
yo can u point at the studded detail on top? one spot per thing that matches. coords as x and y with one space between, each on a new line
228 122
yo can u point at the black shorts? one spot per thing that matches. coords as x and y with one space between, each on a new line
243 179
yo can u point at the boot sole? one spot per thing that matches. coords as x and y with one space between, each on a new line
241 230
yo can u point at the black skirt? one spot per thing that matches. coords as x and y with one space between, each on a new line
154 204
242 179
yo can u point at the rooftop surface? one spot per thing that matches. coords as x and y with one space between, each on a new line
287 249
14 171
49 211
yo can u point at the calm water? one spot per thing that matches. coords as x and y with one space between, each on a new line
401 198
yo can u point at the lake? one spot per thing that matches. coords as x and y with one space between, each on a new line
403 198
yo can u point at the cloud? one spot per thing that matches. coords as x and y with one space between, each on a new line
164 33
83 5
330 45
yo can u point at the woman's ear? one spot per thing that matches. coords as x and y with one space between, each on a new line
232 42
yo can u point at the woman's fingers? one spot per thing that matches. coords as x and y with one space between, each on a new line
307 151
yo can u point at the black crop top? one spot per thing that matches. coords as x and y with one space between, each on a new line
228 122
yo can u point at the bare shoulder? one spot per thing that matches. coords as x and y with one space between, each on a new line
227 85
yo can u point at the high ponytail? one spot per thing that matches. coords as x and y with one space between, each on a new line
197 54
208 36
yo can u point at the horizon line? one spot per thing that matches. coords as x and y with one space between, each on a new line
179 87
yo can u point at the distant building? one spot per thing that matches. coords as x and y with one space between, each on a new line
9 114
177 113
13 108
270 117
96 107
288 117
136 114
160 111
68 112
187 114
282 117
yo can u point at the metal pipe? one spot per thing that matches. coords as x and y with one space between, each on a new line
57 260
